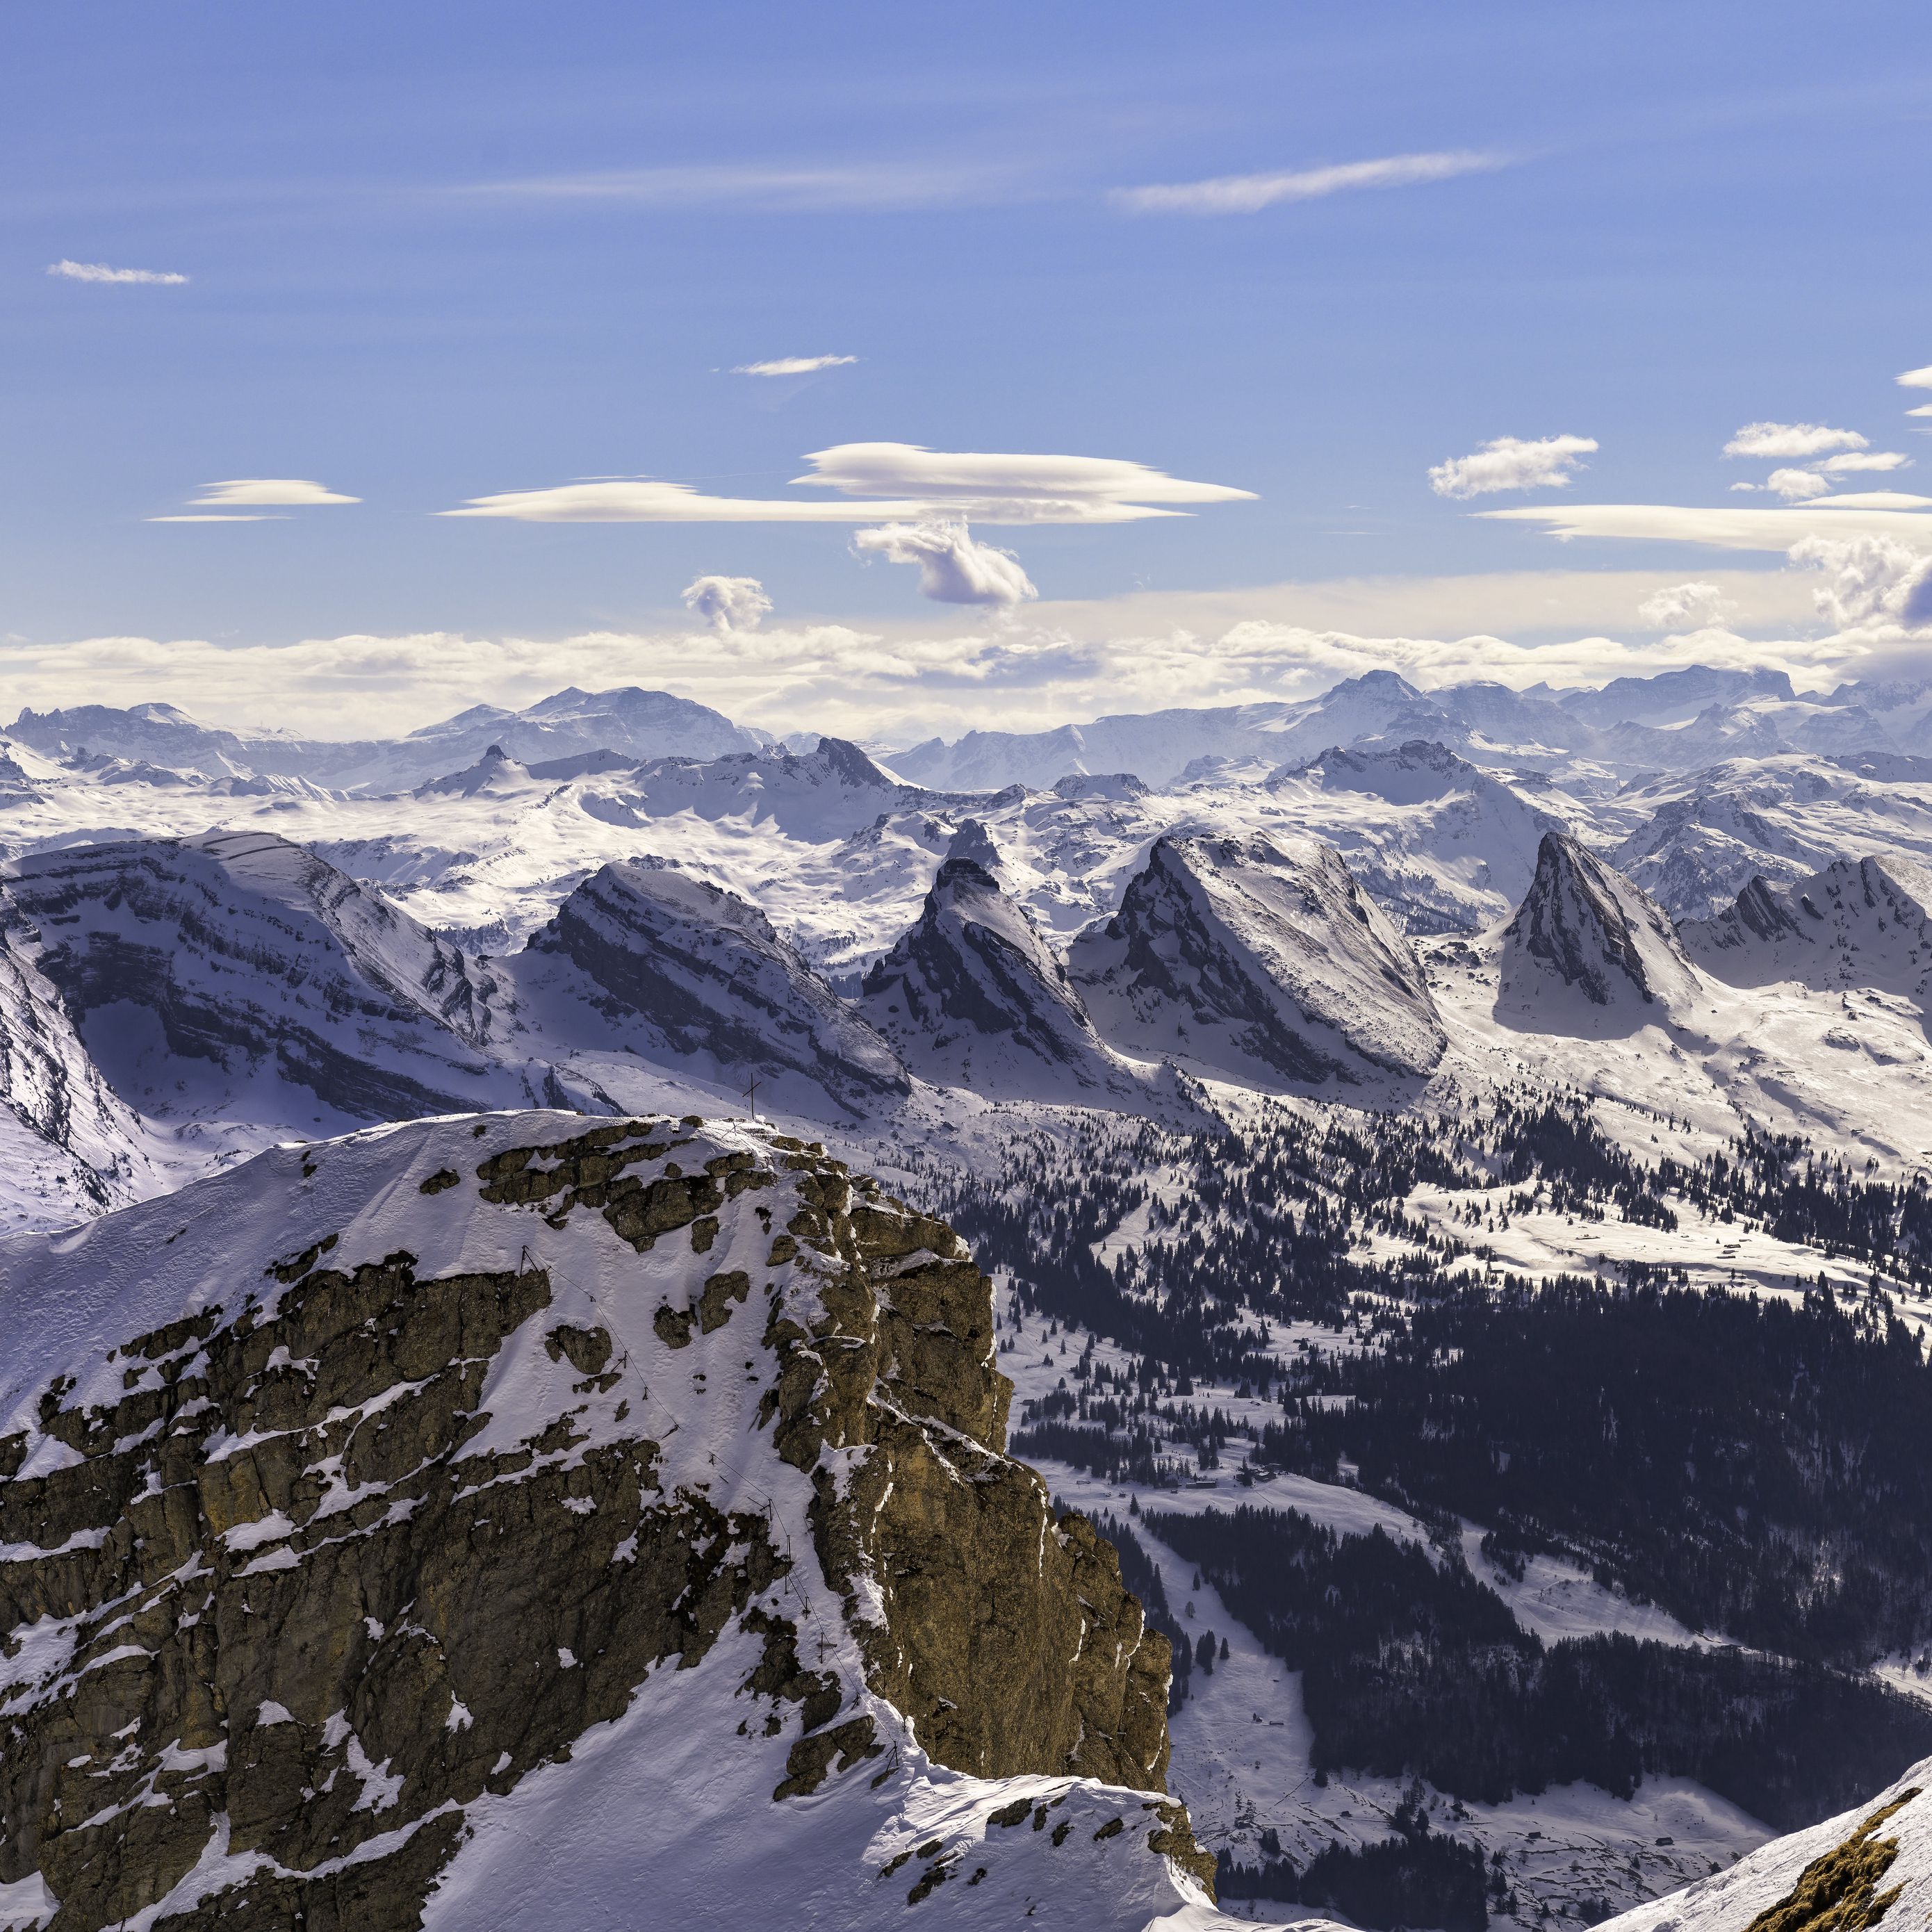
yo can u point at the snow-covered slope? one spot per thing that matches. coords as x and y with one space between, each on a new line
1438 842
1852 926
1872 1864
68 1145
647 960
972 997
1702 839
1258 965
482 1523
236 978
1589 950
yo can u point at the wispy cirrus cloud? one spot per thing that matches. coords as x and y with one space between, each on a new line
794 365
1512 463
878 186
1736 528
1249 194
290 491
899 482
102 272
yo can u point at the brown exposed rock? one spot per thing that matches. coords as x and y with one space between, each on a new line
295 1580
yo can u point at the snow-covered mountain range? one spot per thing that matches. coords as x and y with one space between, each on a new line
1252 1048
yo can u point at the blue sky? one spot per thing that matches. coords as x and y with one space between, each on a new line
436 253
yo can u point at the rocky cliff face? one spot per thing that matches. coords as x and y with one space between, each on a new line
1258 964
480 1517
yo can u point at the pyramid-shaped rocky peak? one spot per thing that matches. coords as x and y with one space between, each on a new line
973 996
1256 961
1585 940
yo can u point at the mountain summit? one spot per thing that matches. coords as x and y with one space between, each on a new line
1587 942
470 1523
1252 962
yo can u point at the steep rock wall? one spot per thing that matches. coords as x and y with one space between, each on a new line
342 1494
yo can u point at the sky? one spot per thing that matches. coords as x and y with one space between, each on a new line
895 371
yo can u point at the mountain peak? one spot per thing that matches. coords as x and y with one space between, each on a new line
972 995
848 762
1254 961
1852 925
1585 931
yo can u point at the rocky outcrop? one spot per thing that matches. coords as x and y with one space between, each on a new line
973 996
1587 942
1259 964
393 1528
1853 925
645 958
1871 1865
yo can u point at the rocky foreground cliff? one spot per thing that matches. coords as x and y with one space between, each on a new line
518 1520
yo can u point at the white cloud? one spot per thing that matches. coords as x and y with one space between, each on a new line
219 517
1682 608
728 603
777 190
645 500
1509 462
900 481
1776 439
1916 379
1873 459
1796 486
290 491
1871 582
1726 528
794 365
100 271
1923 409
1873 500
1059 489
1247 194
954 568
